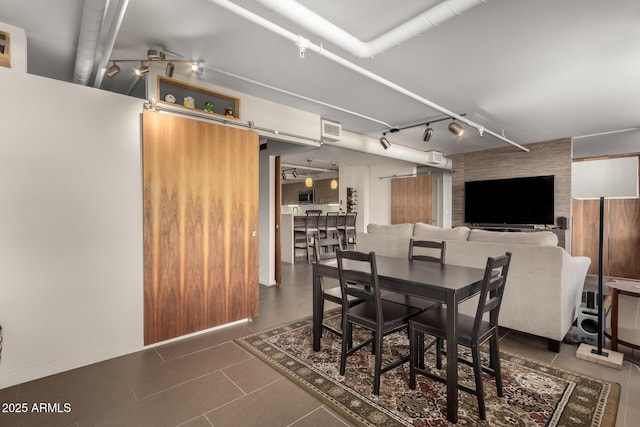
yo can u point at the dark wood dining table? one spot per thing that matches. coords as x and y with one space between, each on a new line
448 284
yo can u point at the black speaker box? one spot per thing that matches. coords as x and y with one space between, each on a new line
587 324
563 223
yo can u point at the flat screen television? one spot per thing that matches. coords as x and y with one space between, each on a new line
514 201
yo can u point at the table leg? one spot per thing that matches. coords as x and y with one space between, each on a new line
614 320
452 359
317 308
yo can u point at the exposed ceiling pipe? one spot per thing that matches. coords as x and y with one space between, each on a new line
301 41
415 26
92 18
113 20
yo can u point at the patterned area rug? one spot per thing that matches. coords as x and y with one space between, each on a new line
535 394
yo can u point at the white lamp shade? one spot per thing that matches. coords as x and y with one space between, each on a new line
610 178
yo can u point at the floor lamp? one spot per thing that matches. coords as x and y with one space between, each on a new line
602 179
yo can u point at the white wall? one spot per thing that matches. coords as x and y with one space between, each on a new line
605 145
267 274
71 226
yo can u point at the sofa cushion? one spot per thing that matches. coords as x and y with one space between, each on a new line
539 238
425 231
395 229
384 244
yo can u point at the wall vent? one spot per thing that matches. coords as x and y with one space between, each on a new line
434 157
330 131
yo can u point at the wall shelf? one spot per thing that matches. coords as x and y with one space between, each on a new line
5 57
352 200
223 105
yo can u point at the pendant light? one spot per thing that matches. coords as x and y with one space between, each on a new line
334 181
308 182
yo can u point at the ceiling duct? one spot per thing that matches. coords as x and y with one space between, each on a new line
297 39
90 26
434 157
417 25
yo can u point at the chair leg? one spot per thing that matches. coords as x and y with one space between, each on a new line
477 373
414 350
378 363
421 350
346 344
439 344
495 363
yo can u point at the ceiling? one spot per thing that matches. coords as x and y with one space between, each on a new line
530 70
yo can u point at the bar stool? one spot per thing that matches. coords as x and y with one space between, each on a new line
347 227
330 228
306 235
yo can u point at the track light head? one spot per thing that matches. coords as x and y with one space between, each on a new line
196 68
428 133
142 70
385 142
295 173
456 129
284 175
113 70
169 70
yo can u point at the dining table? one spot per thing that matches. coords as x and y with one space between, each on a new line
443 283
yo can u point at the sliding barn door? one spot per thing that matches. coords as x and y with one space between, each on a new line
200 225
411 200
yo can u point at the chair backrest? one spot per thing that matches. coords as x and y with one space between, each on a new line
350 219
437 248
493 283
327 248
313 219
359 278
342 219
332 220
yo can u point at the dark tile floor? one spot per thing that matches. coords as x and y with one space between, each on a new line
209 381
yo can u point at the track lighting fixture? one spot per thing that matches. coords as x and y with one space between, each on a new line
294 173
113 70
142 70
456 129
428 133
156 56
385 142
284 175
169 71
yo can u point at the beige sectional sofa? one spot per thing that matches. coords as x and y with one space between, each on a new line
545 282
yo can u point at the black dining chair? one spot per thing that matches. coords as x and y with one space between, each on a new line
330 227
359 278
327 249
347 228
436 252
472 333
305 235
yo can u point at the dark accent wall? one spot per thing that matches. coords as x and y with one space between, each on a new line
544 158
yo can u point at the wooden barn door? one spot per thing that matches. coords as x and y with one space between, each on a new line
411 200
200 225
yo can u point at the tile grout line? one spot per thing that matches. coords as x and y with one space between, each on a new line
196 378
248 394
